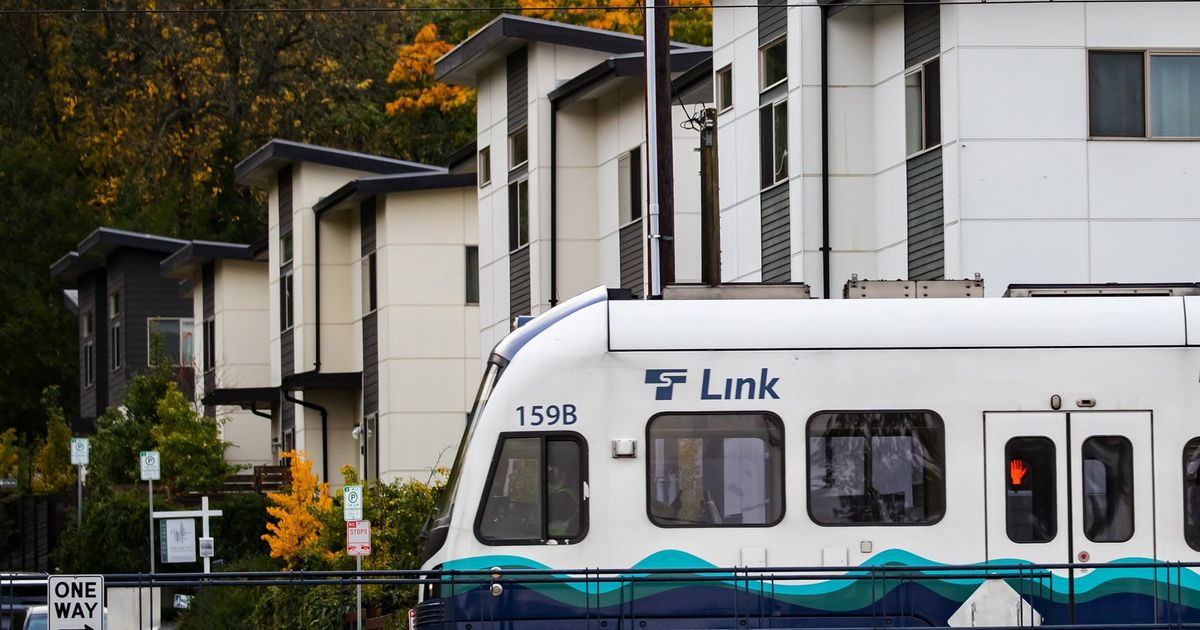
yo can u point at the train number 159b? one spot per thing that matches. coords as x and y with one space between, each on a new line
548 415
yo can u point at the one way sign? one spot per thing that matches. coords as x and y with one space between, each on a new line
76 602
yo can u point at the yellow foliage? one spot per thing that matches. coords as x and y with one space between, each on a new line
298 526
688 17
414 69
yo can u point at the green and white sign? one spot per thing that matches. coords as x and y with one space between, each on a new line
151 465
79 451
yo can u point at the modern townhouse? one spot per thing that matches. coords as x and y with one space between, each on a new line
373 315
1026 142
123 304
561 149
227 286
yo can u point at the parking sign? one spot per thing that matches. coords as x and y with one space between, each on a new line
79 451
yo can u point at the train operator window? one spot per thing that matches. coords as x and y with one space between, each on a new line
1107 488
536 491
1030 497
715 470
876 468
1191 493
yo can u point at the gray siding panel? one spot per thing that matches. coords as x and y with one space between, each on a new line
519 288
926 231
287 353
517 66
287 357
772 20
922 32
370 323
208 312
631 256
285 199
93 291
776 234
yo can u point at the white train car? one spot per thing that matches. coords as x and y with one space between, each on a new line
841 435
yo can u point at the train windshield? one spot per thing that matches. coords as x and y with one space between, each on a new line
490 377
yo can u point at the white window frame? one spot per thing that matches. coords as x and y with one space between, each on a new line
368 273
519 131
724 78
289 250
483 166
776 179
762 66
920 69
183 338
287 312
1147 123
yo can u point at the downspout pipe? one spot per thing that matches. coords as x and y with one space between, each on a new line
261 414
825 151
317 288
287 395
553 202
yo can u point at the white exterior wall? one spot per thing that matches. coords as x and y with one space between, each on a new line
1028 196
240 313
548 66
429 353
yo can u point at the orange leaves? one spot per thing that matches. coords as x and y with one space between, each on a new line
297 527
414 69
691 20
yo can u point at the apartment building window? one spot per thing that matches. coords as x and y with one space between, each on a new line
285 249
518 214
518 148
285 301
483 166
724 88
1119 104
773 132
89 349
171 338
472 274
116 350
210 344
629 185
368 283
772 64
923 107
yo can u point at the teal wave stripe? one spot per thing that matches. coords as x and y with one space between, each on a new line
839 595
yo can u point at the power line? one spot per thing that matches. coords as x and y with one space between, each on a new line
555 9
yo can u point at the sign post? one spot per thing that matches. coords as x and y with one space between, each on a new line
79 457
358 544
206 541
352 512
76 602
151 467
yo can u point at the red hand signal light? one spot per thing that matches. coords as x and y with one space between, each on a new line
1017 470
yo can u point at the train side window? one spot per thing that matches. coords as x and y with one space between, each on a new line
1191 493
715 470
876 468
1030 498
535 491
1107 488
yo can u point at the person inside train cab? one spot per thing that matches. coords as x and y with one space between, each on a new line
562 495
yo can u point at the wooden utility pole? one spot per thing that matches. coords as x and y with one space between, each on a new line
661 225
710 207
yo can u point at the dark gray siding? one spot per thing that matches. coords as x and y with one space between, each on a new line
772 20
287 354
926 234
776 234
517 67
93 291
144 294
285 200
518 277
208 312
370 324
632 247
922 26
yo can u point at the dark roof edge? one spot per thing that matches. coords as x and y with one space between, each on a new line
632 64
111 238
363 188
693 76
242 396
198 253
460 155
277 150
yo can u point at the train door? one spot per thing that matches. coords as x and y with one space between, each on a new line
1073 487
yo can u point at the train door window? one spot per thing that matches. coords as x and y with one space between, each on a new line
715 470
1191 493
1107 488
536 491
876 468
1030 498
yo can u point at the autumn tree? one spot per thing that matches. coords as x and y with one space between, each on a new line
52 469
294 536
190 446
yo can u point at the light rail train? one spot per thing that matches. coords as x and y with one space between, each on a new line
1046 450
